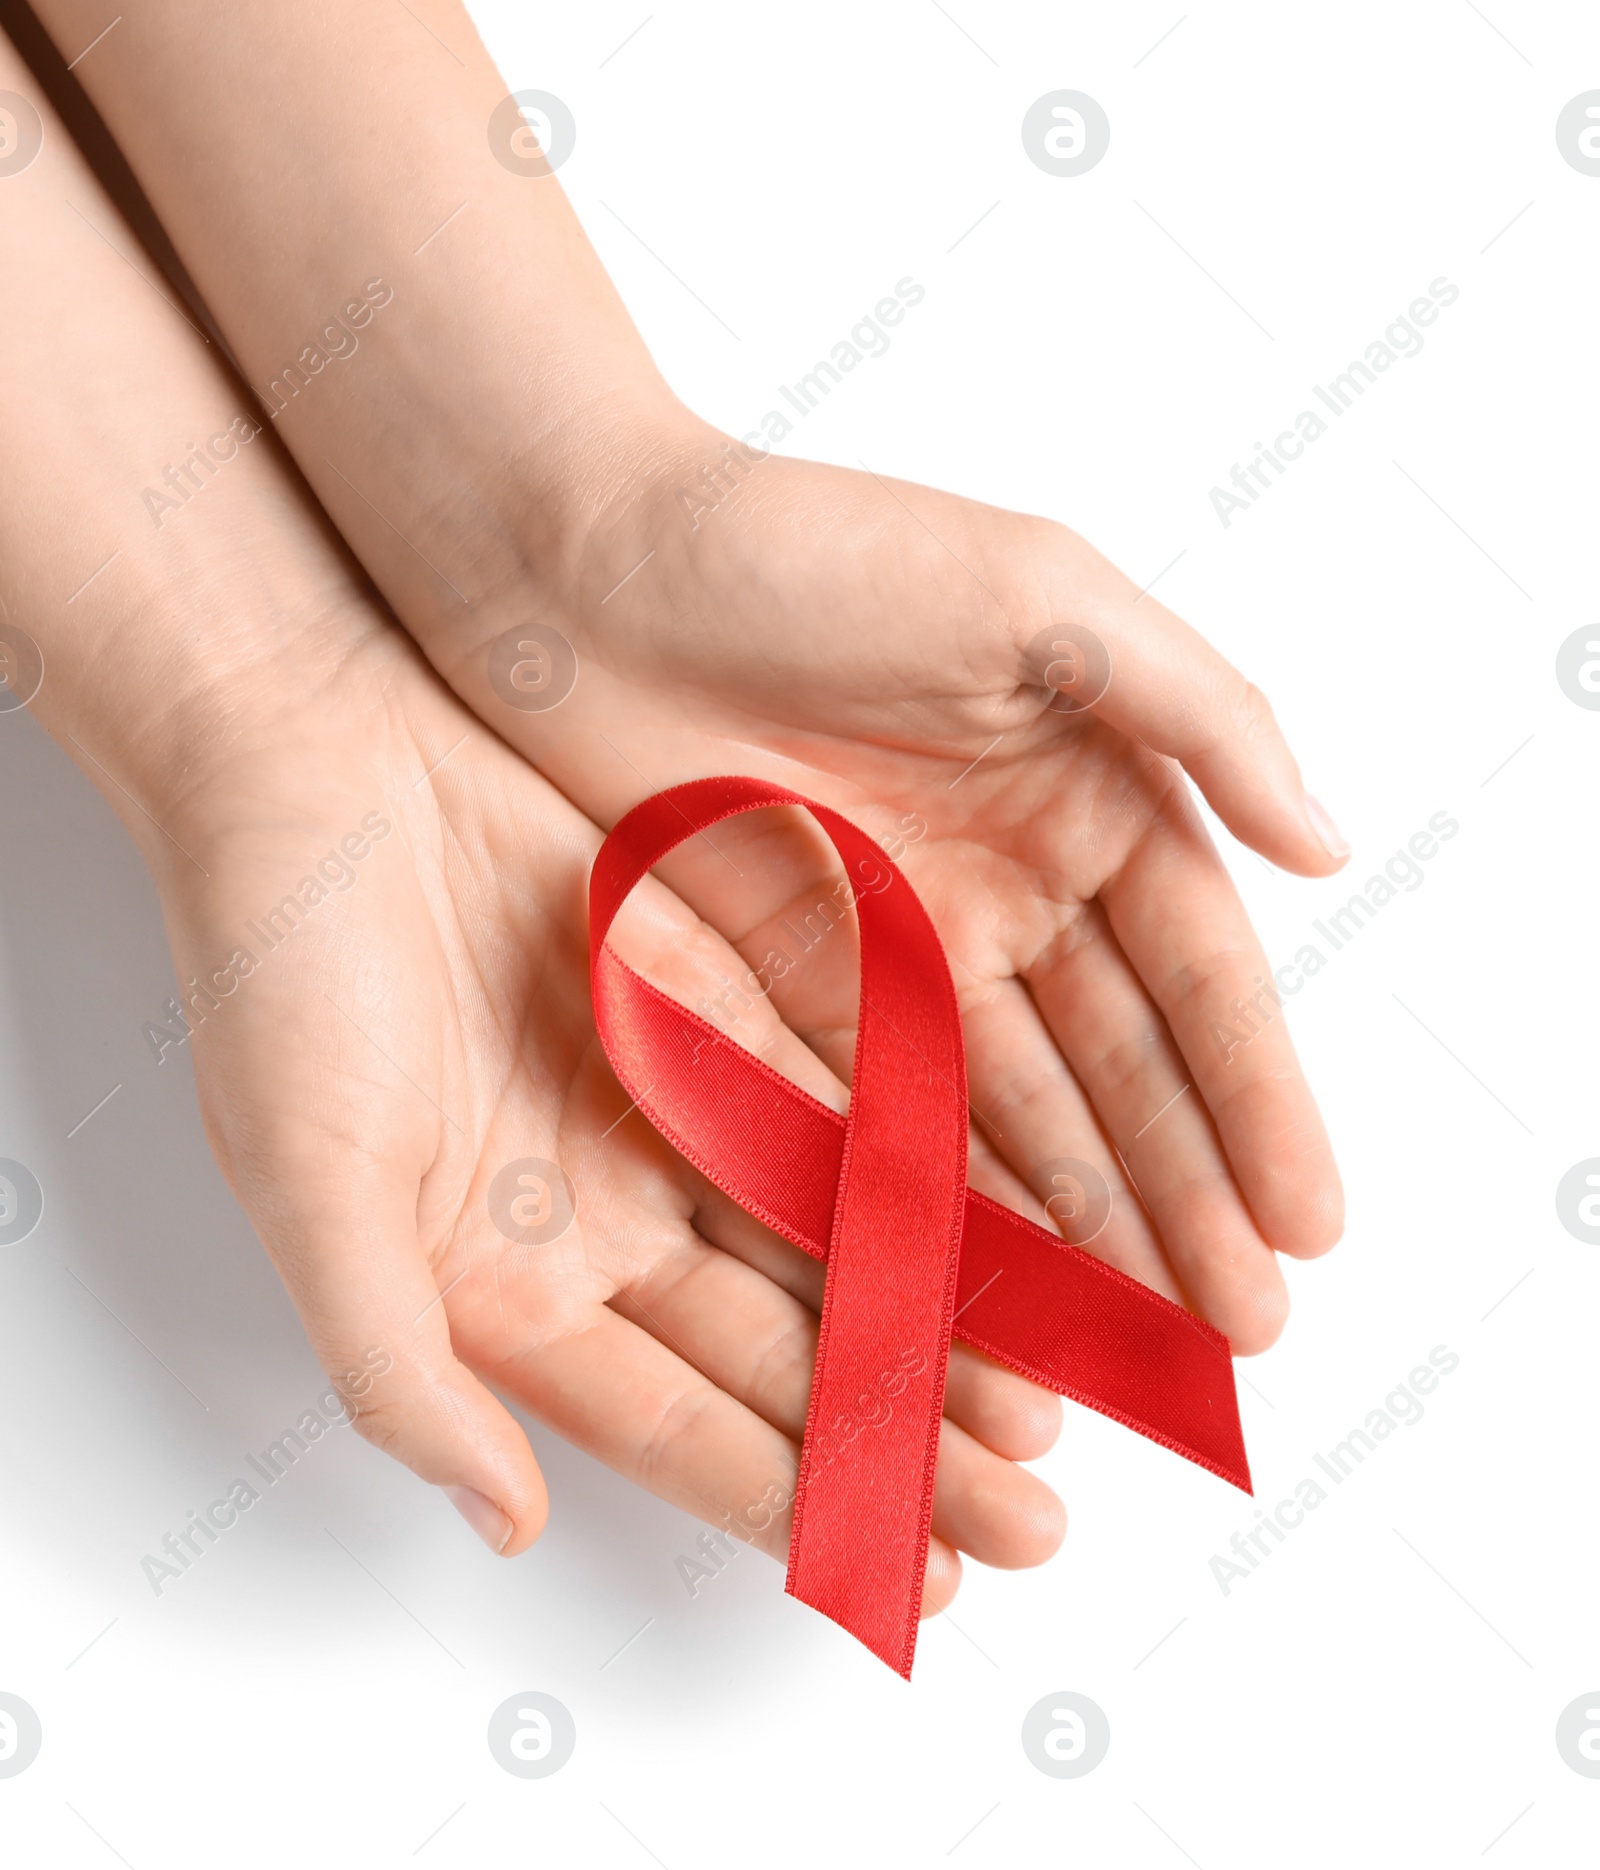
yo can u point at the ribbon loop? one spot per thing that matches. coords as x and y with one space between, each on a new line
881 1195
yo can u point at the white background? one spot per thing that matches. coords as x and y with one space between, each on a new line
1386 1685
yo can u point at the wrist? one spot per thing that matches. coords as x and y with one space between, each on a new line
547 521
169 698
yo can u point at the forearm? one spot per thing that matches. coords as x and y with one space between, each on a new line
142 526
484 395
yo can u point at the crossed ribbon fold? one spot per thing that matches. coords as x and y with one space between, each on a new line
913 1254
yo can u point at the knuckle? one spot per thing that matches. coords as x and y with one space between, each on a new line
1253 716
678 1419
1211 980
789 1352
381 1422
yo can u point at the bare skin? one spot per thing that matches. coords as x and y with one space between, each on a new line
246 703
865 641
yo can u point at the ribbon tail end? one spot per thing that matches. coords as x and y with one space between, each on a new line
895 1647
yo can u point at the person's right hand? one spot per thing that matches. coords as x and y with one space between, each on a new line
424 1020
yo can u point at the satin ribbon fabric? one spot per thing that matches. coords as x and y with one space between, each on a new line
913 1254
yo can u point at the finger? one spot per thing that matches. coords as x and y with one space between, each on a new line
1121 1051
758 1345
1181 924
1169 688
341 1228
941 1579
629 1400
1008 1413
1037 1117
1014 1416
999 1512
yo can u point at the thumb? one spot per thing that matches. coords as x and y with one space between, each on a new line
1144 671
343 1235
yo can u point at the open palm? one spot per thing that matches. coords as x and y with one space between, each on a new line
421 1027
1001 707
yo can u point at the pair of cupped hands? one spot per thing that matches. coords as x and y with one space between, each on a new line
866 642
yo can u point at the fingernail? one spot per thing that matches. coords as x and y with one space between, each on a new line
483 1516
1333 839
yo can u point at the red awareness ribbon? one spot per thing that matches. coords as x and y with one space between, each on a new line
913 1254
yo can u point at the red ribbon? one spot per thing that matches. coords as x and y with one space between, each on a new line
912 1253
